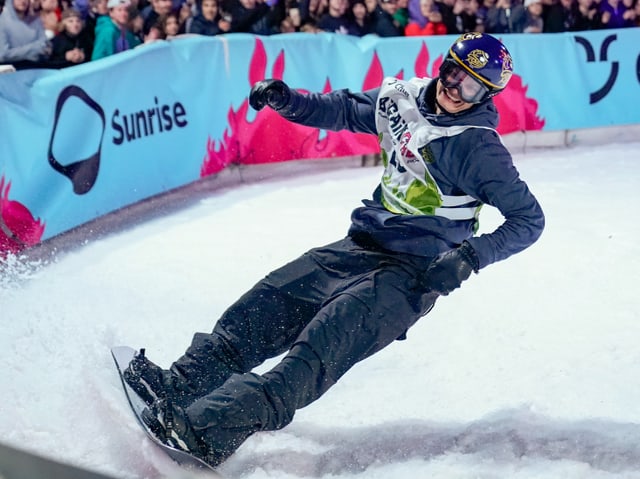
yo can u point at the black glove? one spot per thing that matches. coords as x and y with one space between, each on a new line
450 269
273 93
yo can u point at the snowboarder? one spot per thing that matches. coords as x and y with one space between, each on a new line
340 303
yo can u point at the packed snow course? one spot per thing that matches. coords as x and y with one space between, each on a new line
529 371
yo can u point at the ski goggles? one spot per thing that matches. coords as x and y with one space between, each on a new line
469 88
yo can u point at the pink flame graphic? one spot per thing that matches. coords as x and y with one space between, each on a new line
24 229
270 138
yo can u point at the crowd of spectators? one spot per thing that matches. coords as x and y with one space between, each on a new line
60 33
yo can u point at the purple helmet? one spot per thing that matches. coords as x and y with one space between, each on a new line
484 58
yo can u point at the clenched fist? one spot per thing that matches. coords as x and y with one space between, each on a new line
273 93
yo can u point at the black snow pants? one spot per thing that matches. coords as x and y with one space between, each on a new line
329 309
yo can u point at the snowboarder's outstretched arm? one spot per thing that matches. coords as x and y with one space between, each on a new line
337 110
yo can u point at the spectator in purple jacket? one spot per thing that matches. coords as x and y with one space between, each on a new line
112 32
615 14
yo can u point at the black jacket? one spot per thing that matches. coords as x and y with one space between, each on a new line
202 26
384 25
63 42
474 163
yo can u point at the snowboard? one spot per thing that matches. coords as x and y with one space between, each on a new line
123 355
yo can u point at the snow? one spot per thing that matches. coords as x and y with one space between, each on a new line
528 371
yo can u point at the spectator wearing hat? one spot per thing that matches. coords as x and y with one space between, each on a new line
534 22
72 45
112 31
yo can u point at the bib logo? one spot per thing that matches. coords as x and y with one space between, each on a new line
84 171
404 145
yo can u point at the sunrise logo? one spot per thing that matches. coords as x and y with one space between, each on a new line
82 169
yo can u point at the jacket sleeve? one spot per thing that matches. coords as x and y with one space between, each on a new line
28 51
104 45
337 110
489 175
31 51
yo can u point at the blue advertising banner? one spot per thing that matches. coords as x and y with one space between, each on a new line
78 143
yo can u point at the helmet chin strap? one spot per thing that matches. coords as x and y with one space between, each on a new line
440 108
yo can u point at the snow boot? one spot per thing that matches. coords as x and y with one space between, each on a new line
147 379
152 383
170 424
